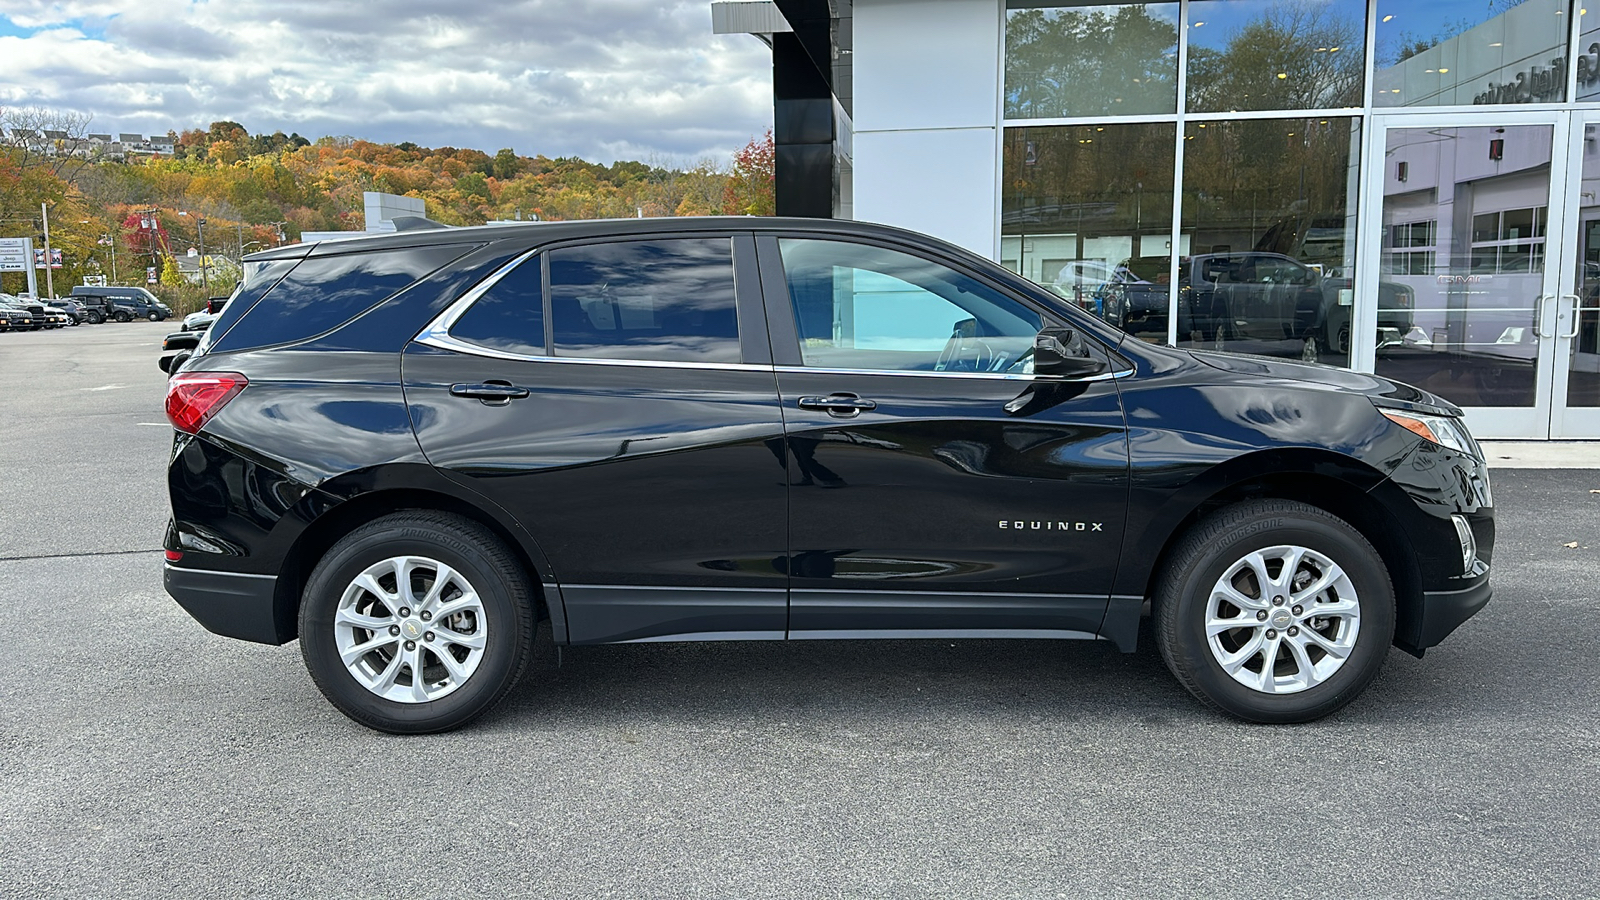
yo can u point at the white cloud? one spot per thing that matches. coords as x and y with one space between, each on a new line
601 80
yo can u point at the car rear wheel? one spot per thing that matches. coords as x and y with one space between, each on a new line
124 317
417 622
95 318
1274 611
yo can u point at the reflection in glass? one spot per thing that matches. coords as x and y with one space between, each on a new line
646 300
1269 54
1086 211
1065 59
1449 53
510 315
863 307
1583 372
1269 207
1463 233
1587 53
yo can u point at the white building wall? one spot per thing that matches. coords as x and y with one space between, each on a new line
927 106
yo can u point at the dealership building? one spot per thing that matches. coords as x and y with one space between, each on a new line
1407 187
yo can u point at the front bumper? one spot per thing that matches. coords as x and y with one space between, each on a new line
231 604
1442 612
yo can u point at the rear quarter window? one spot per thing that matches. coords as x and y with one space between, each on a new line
322 293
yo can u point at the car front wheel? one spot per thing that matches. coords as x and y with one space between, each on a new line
1275 611
417 622
155 317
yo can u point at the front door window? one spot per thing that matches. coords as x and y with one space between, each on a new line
869 308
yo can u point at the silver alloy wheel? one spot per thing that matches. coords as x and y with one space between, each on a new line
1282 619
410 629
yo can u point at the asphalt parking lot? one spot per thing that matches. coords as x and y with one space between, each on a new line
144 757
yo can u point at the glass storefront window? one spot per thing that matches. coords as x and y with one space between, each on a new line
1268 54
1269 210
1449 53
1587 53
1086 211
1078 59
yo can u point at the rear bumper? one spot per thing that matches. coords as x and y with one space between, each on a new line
231 604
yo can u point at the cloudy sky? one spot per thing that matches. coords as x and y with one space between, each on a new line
601 79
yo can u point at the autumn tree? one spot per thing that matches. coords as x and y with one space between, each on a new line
749 191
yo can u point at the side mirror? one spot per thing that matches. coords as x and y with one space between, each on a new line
1061 352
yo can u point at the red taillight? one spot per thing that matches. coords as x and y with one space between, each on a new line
194 397
174 555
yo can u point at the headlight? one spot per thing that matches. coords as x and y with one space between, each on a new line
1442 430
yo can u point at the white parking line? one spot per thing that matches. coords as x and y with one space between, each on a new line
104 387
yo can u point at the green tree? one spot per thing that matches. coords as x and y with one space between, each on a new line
507 165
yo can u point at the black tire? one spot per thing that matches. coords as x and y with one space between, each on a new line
1216 544
155 317
508 609
95 318
123 317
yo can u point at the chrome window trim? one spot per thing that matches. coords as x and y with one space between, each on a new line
447 342
439 329
991 376
437 334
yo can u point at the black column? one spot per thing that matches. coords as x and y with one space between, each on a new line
803 132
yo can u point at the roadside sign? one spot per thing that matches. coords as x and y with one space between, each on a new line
38 258
14 253
150 275
94 281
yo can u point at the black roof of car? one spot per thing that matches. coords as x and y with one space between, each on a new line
543 232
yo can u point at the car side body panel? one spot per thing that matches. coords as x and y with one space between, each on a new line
328 427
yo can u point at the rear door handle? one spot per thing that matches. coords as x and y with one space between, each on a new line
490 392
842 405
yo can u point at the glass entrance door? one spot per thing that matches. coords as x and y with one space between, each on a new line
1468 257
1574 325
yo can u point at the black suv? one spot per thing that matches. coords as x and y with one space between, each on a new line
408 450
119 304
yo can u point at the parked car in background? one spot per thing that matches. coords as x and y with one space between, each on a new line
176 349
37 317
14 318
408 450
71 307
56 316
120 304
200 321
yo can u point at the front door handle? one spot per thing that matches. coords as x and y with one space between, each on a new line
843 405
496 393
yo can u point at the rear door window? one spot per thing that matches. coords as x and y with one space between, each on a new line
649 300
509 316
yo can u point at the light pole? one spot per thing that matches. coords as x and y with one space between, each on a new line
205 281
49 274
